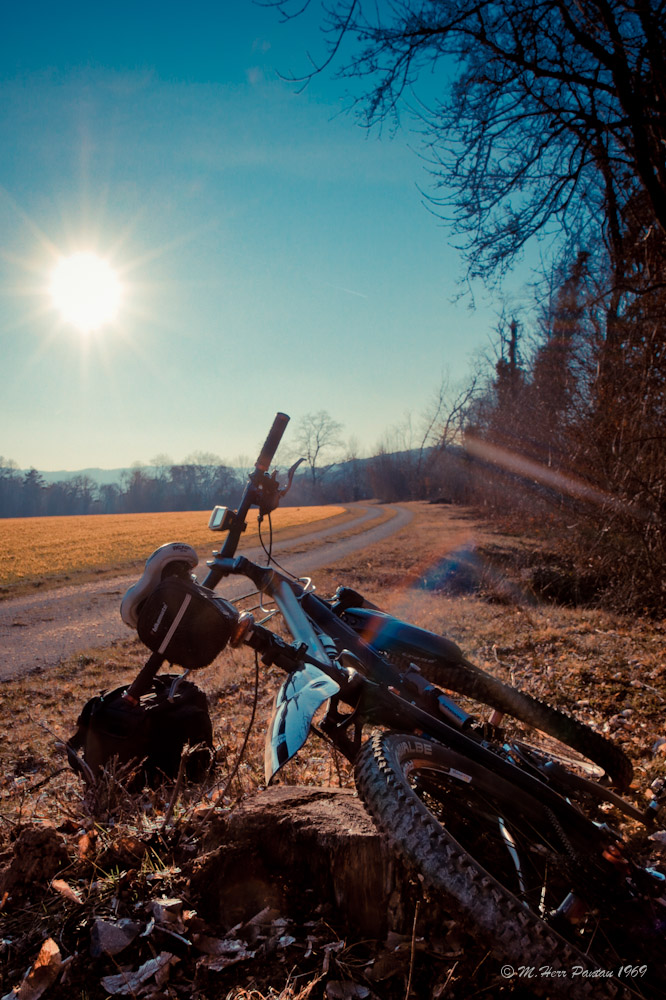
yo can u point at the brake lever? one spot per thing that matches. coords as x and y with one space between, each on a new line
290 475
270 493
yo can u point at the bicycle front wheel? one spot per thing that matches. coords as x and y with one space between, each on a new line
511 867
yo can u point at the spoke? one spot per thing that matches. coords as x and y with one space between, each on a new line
542 900
507 836
511 848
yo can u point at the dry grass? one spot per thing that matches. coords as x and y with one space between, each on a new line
62 548
608 669
589 661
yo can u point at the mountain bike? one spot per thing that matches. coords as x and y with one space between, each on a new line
506 806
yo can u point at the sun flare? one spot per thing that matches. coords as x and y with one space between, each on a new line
86 291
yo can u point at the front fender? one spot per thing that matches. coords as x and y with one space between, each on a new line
302 693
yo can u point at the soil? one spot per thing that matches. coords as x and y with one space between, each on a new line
131 857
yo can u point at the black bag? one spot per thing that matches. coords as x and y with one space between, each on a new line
185 623
154 733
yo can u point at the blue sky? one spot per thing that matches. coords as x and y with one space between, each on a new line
272 255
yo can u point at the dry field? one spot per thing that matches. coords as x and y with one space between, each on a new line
445 571
65 549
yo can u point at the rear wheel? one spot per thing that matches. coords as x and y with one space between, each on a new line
525 718
513 869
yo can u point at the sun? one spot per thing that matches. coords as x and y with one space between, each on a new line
86 291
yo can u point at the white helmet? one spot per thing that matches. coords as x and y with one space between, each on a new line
172 552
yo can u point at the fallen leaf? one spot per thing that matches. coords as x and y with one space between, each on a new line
331 949
86 845
386 965
346 991
212 945
130 982
659 840
110 937
222 952
41 975
269 922
265 917
66 890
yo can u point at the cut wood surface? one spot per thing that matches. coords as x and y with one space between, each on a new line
298 848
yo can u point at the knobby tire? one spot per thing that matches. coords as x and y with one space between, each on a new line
467 679
513 931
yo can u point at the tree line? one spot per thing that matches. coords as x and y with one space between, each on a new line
333 472
187 486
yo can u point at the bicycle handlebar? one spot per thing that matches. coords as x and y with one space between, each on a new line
272 441
250 496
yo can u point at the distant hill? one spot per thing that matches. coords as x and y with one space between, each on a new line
104 476
99 476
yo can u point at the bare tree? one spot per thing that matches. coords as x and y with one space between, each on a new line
317 435
202 459
392 469
138 488
10 487
558 375
546 120
161 463
444 420
441 427
204 476
551 115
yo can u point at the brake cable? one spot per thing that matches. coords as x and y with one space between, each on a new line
271 560
243 748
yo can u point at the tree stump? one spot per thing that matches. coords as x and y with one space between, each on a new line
297 849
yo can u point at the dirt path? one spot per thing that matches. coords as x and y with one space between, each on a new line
40 630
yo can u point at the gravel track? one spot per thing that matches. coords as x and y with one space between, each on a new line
40 630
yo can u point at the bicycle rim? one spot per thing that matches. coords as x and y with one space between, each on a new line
536 866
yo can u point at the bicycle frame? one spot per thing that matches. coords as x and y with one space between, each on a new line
331 662
353 673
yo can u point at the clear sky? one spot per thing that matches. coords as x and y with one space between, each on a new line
271 255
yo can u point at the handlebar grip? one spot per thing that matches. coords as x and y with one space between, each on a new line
272 441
